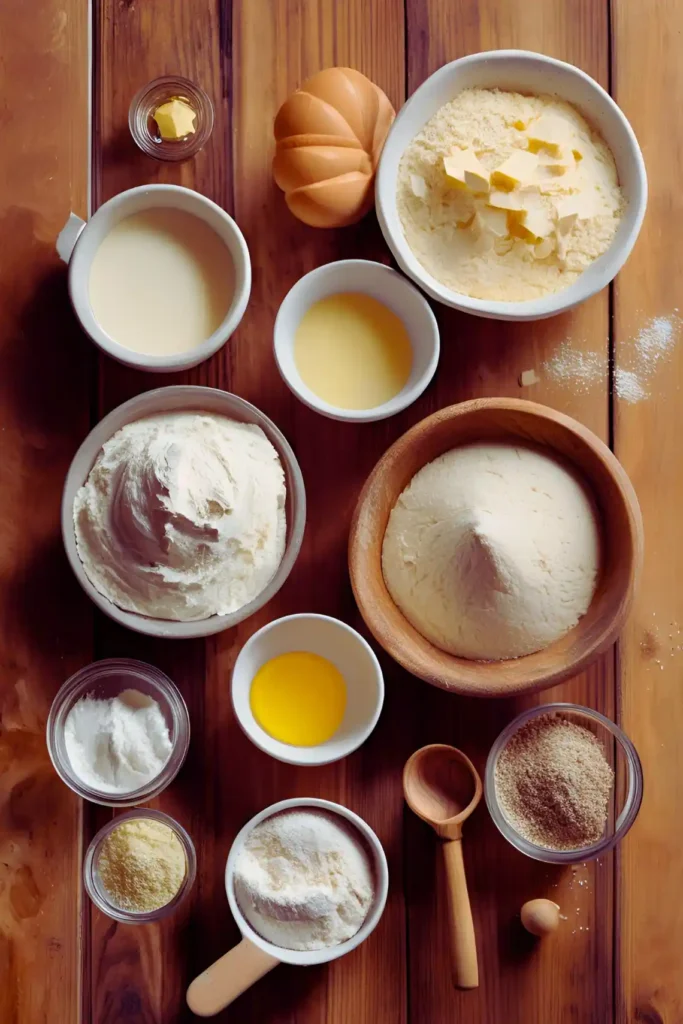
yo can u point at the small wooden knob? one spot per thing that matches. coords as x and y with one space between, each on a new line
540 917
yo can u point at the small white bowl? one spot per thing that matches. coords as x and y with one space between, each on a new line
125 204
341 645
248 961
185 398
526 72
388 287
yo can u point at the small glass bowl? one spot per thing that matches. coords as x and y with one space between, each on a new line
627 792
144 128
105 680
94 885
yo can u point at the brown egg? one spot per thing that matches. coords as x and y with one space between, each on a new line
540 917
329 135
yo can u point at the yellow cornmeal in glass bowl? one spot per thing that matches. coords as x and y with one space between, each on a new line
141 865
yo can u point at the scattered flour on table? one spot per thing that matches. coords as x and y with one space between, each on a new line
653 343
627 386
583 371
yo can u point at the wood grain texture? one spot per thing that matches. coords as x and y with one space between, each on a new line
248 56
569 978
648 440
44 620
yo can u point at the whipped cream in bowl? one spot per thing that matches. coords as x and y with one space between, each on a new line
183 512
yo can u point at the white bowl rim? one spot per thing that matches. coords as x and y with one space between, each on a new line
396 404
281 751
531 309
180 360
101 432
315 956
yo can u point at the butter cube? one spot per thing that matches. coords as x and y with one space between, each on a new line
175 119
504 200
534 220
557 164
544 248
536 225
518 169
549 132
578 206
491 221
464 170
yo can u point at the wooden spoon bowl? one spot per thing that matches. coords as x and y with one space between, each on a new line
520 422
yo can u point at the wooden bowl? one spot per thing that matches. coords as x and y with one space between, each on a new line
511 420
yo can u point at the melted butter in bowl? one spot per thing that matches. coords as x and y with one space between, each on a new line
161 282
352 351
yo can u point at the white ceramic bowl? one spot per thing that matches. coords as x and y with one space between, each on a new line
341 645
388 287
146 197
253 957
524 72
175 399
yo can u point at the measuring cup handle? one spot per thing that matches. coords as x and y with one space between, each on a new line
228 978
461 927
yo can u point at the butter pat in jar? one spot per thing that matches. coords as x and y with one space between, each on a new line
171 118
175 119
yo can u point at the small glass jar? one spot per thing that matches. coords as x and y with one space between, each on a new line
96 889
627 792
105 680
144 128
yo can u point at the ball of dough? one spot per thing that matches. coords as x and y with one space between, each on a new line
492 551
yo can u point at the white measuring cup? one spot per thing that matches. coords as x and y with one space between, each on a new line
226 979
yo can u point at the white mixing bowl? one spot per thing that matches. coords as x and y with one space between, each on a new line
532 73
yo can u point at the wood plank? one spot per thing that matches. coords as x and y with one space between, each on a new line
277 44
570 977
44 619
647 440
141 973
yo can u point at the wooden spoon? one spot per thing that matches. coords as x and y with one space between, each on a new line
442 786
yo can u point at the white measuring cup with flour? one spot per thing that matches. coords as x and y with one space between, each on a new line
226 979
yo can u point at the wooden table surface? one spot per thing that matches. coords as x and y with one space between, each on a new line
617 956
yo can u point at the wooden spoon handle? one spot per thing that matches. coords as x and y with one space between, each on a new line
463 946
228 978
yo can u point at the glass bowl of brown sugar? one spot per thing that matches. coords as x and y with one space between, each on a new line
563 783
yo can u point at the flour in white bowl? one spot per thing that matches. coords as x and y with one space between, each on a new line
182 516
304 880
